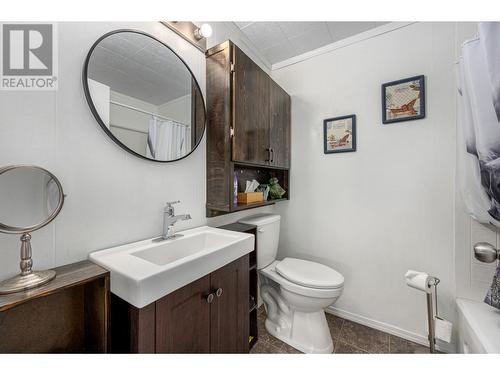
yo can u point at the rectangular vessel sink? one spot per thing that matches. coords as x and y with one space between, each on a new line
145 271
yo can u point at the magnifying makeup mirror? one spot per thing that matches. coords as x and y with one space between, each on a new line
30 198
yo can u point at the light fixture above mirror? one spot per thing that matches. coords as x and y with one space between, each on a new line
204 31
194 34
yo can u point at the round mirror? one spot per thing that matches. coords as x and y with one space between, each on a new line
30 198
144 96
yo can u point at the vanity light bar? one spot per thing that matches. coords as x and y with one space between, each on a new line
190 32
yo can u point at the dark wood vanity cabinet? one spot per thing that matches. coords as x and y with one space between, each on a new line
248 125
183 319
229 313
209 315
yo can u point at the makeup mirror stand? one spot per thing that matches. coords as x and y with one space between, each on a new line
28 278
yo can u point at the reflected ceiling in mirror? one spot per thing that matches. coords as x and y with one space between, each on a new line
144 96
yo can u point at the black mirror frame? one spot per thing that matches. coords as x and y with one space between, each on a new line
93 109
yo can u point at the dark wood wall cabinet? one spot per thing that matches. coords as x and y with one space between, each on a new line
209 315
67 315
248 129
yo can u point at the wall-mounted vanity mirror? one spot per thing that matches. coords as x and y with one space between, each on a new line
144 96
30 198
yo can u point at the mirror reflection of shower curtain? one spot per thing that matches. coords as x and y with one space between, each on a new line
478 159
167 139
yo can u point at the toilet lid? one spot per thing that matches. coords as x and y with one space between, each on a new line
310 274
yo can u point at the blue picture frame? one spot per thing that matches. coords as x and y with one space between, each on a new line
406 111
328 148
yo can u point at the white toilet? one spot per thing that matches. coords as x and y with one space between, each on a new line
295 291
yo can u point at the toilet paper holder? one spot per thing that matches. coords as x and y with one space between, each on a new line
437 326
433 282
486 252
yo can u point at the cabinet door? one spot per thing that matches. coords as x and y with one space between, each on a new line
230 311
279 126
250 111
218 137
183 319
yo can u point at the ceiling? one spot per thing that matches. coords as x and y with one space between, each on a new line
278 41
141 67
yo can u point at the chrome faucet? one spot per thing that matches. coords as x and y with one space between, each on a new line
169 219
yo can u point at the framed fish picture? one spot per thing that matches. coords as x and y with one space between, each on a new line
403 100
339 134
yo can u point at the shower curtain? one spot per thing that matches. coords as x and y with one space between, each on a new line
478 157
167 139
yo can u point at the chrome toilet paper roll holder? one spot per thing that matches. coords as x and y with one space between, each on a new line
433 282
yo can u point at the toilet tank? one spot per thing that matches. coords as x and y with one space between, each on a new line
268 234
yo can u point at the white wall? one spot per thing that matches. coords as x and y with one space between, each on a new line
388 207
127 117
113 197
178 109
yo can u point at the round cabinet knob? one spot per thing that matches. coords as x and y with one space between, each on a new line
210 298
485 252
218 292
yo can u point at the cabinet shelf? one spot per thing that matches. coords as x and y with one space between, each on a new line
243 206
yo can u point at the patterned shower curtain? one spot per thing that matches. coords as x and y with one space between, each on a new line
478 157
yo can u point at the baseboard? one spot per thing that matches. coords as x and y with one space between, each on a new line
388 328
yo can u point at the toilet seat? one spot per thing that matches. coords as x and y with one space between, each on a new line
309 274
270 272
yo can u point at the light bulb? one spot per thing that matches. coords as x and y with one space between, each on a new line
204 31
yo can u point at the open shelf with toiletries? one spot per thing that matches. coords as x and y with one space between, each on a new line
248 130
243 173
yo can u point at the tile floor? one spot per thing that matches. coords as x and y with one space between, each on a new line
348 337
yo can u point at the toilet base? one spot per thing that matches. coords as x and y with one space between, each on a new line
306 332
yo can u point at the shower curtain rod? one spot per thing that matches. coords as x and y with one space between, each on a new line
146 112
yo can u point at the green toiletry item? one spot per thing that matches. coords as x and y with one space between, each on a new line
275 190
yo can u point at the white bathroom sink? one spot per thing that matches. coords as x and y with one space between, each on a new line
145 271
